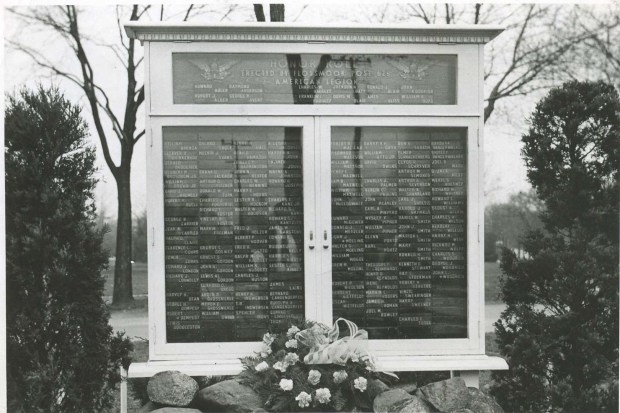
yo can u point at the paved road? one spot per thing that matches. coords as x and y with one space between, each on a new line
491 315
134 322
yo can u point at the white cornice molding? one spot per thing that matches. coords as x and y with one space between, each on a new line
287 33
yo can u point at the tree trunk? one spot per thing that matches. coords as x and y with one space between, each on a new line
123 289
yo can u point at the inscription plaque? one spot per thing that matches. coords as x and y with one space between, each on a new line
233 222
216 78
399 230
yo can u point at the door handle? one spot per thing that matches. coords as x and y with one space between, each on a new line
311 239
325 243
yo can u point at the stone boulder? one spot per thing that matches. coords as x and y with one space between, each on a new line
176 410
399 401
481 403
149 407
408 387
376 387
172 388
446 395
413 405
229 396
386 400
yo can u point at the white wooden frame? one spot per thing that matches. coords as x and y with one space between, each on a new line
467 43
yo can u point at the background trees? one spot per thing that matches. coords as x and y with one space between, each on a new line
508 222
61 355
559 332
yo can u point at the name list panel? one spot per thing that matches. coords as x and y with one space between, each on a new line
212 78
399 230
233 220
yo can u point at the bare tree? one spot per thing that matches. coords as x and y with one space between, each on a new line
532 38
65 21
598 56
115 125
535 51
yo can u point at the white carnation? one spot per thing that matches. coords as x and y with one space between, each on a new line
291 343
314 376
286 384
304 399
292 331
340 376
322 396
262 366
360 383
291 358
280 366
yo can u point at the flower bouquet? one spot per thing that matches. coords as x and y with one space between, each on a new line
312 369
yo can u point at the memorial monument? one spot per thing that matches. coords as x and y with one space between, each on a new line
315 172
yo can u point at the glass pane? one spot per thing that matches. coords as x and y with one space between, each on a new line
212 78
399 230
233 218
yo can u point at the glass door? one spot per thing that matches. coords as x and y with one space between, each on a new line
395 196
238 211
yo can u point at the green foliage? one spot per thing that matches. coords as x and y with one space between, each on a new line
266 382
61 353
559 332
572 152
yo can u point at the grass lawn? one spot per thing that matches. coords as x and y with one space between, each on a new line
139 278
492 286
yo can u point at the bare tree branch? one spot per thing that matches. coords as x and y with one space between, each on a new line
189 10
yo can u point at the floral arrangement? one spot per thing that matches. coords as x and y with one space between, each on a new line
312 369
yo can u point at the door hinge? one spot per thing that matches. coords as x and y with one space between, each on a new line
478 136
151 137
478 234
153 236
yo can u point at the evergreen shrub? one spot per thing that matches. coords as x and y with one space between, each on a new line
62 355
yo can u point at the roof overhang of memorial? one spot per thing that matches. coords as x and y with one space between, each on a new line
294 33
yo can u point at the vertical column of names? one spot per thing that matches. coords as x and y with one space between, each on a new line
251 255
380 195
414 228
215 161
449 210
286 264
348 278
181 210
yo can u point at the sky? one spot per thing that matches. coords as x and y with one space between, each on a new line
505 173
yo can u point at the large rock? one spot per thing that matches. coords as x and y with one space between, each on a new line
384 402
481 403
172 388
376 387
176 410
408 387
446 395
229 396
149 407
413 405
